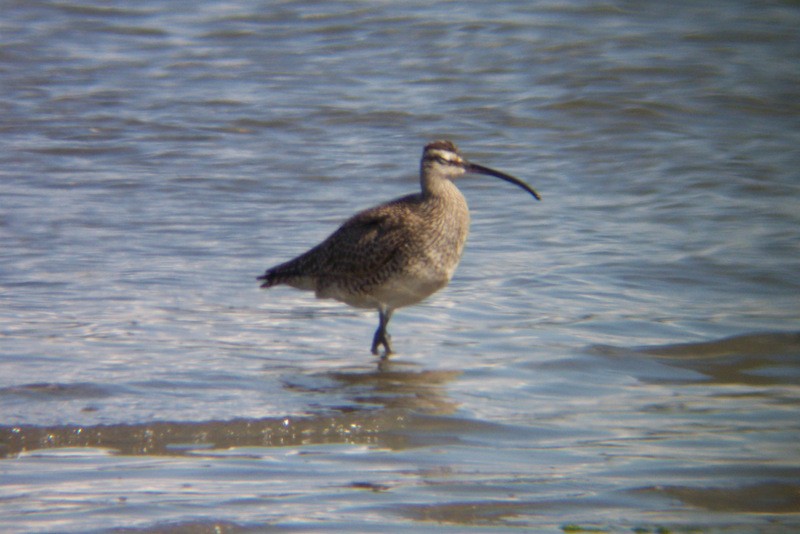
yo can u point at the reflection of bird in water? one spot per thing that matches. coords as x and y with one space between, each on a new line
395 254
393 385
422 392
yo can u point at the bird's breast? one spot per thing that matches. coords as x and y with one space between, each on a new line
432 255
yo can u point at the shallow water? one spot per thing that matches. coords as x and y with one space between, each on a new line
622 356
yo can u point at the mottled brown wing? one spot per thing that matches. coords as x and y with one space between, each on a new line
368 242
363 248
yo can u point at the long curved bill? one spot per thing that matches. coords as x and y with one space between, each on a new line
480 169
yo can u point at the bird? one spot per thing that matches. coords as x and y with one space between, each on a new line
398 253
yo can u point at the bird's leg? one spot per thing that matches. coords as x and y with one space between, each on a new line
382 337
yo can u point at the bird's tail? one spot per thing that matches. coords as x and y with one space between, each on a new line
290 273
268 279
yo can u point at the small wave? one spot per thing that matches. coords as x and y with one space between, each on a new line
754 359
55 391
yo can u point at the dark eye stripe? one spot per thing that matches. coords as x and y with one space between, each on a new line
441 159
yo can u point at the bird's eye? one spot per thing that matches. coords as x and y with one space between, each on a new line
442 161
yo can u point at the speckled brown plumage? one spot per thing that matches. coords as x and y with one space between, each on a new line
395 254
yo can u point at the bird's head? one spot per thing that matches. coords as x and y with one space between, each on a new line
442 159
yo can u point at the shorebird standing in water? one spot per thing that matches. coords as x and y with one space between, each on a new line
395 254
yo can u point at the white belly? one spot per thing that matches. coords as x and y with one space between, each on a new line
406 290
400 290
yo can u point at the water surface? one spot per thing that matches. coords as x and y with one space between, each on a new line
621 356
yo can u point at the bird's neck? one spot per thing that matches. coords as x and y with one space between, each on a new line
437 186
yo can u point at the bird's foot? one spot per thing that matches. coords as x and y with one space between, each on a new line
382 338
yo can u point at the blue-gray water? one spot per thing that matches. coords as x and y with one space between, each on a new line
622 356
